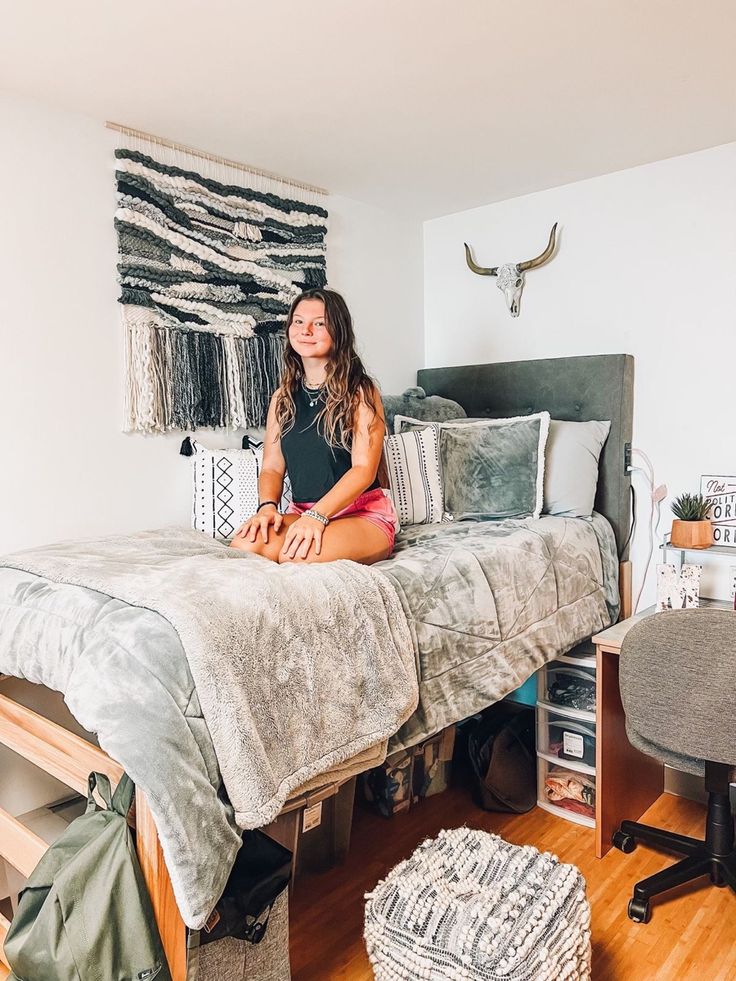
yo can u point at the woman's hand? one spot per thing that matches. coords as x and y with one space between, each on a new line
300 537
268 515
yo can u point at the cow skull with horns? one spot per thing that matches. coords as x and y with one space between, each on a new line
510 277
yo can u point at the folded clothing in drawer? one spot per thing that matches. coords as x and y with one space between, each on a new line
570 790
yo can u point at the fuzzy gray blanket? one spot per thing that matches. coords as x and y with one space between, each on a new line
487 604
297 667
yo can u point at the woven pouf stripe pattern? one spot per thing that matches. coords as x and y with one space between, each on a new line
468 905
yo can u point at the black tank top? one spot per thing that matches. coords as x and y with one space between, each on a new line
313 466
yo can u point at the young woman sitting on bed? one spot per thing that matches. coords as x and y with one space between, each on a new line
325 429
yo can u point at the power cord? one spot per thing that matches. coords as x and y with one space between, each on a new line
632 529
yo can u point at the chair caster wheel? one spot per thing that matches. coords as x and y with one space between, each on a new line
716 877
639 910
622 841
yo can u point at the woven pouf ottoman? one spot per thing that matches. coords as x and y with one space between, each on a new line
468 905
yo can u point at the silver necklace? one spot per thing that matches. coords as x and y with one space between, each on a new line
309 392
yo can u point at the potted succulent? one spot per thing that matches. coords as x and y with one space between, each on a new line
691 527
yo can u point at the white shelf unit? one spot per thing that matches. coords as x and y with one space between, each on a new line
682 555
576 755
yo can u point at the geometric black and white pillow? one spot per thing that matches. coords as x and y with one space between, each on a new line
415 482
226 486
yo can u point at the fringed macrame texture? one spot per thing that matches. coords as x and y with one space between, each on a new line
207 274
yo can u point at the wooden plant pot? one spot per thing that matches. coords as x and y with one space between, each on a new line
692 534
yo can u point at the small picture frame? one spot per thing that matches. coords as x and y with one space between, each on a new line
678 590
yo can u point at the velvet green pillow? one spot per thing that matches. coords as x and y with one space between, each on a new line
491 468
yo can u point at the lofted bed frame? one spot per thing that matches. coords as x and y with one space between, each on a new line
576 389
70 759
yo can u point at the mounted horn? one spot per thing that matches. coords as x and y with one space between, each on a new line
510 276
543 256
481 270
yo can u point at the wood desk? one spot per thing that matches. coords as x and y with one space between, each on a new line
628 781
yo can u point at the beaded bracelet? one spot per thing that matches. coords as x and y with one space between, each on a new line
311 513
264 503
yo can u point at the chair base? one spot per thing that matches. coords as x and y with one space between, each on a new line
714 857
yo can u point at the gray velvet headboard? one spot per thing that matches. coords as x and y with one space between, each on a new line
599 386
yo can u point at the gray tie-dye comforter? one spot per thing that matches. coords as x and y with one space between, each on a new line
490 602
487 603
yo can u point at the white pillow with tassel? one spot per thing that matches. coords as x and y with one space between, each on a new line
225 492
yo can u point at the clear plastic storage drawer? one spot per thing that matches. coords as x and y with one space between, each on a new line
565 738
567 792
568 687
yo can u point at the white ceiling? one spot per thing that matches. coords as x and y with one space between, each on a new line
425 106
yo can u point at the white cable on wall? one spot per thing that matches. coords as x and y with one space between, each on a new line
656 496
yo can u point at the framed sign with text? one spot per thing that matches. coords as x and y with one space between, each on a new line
720 492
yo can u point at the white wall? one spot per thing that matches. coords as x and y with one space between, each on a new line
646 265
68 470
375 260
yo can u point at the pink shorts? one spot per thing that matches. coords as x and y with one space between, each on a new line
375 506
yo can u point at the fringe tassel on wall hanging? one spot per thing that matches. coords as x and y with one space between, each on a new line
207 273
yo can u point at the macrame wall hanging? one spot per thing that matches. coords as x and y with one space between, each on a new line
207 273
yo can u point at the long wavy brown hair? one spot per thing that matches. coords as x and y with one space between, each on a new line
346 380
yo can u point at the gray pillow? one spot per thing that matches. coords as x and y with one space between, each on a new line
571 472
491 468
416 403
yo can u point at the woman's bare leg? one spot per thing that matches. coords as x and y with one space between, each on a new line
271 548
350 538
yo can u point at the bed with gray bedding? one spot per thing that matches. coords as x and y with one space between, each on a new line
483 604
486 604
251 676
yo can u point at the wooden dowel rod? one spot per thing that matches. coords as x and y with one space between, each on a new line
140 134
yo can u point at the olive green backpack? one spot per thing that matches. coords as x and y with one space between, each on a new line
85 913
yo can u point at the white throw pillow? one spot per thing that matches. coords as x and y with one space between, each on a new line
413 465
571 474
226 486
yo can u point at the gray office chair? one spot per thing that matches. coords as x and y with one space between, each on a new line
678 687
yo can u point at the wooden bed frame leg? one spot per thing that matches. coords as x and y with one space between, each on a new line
168 918
4 966
624 588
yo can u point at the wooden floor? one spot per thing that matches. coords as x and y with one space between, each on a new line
692 933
